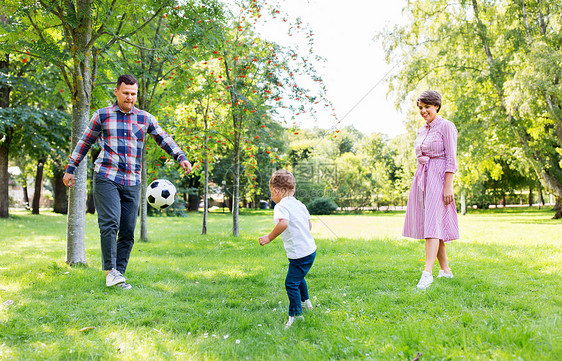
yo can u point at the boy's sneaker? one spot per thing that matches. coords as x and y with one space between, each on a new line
307 305
113 278
445 274
125 286
292 320
425 281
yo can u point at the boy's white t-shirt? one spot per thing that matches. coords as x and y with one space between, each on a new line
296 237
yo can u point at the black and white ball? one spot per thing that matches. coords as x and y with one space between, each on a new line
160 193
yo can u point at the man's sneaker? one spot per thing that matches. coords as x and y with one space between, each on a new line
445 274
307 305
125 286
292 320
425 281
114 278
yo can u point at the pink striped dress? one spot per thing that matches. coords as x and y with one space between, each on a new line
427 216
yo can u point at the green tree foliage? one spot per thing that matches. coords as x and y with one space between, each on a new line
161 56
71 36
259 80
498 66
31 120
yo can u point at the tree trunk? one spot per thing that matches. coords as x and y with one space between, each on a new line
236 185
558 209
531 195
82 87
5 140
4 177
206 181
143 205
90 202
236 128
144 104
38 187
76 220
25 196
541 198
59 192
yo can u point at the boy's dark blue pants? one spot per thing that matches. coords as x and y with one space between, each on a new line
295 283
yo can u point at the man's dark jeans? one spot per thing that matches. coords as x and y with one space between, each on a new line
295 283
117 206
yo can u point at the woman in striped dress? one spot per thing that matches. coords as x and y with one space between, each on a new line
431 212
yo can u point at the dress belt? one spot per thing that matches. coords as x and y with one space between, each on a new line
421 174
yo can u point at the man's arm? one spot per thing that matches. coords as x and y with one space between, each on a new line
186 166
166 142
91 134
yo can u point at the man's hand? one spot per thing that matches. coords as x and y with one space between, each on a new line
186 166
264 240
68 179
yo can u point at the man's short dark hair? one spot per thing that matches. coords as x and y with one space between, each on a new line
127 79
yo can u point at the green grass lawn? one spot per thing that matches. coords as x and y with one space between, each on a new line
216 297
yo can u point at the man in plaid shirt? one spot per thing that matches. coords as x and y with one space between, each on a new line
120 130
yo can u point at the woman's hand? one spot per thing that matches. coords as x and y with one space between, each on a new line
448 194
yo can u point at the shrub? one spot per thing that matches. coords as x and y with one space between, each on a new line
322 206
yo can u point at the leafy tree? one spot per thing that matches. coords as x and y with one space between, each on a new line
29 124
71 36
501 85
259 78
161 57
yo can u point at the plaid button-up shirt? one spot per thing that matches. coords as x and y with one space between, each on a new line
121 137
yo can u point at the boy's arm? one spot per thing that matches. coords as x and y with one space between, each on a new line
309 225
279 228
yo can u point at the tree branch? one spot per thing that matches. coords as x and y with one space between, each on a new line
132 44
146 22
100 31
40 34
114 39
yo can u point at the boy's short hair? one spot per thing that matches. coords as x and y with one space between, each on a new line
282 179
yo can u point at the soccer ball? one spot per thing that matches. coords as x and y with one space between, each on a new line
160 193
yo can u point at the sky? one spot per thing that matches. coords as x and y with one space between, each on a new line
343 33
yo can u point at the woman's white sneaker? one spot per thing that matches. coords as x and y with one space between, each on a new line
445 274
307 305
425 281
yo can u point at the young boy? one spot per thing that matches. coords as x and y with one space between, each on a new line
293 224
